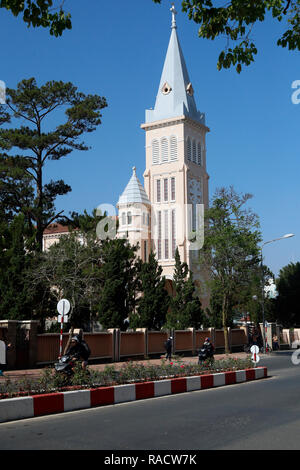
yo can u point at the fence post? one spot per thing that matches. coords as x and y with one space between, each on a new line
11 337
32 353
212 334
145 331
229 338
115 338
193 332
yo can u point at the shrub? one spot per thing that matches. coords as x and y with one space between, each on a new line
128 373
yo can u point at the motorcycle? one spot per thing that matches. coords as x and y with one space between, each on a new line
204 355
65 365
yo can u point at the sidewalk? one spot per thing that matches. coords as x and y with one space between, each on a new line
36 373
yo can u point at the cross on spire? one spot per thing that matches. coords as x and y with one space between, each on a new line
174 13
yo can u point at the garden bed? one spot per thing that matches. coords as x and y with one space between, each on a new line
129 373
78 397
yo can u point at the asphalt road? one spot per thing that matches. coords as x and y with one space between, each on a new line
263 414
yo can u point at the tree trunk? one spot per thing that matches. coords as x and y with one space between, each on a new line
224 321
39 218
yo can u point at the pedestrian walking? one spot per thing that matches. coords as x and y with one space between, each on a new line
168 346
275 343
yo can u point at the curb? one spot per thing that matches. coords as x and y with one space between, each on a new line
40 405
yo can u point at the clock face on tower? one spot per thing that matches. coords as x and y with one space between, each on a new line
195 191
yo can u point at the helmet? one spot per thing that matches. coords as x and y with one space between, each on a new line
76 338
207 339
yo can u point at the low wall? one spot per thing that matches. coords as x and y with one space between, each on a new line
101 345
31 349
116 345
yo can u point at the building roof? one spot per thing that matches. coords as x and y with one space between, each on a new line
134 192
175 96
56 228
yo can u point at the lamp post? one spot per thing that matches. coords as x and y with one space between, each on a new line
288 235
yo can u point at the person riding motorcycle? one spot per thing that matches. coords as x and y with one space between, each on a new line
79 349
207 351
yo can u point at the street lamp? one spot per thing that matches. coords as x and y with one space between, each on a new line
288 235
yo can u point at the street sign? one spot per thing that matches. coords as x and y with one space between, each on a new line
255 357
63 308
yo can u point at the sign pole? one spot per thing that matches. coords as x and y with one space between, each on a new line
63 308
61 330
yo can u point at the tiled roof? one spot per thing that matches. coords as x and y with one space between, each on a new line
56 228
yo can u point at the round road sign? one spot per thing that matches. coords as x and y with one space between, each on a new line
63 307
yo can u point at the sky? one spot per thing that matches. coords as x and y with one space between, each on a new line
117 50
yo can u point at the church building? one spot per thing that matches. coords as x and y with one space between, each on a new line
167 211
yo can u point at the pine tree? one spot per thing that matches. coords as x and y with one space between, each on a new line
33 143
19 299
119 283
154 301
185 308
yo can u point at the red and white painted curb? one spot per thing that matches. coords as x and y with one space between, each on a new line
40 405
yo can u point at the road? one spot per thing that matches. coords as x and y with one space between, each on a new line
256 415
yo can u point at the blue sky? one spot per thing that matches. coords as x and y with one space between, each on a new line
117 49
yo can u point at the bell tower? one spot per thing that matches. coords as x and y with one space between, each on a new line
175 179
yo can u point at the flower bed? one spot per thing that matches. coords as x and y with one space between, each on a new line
129 373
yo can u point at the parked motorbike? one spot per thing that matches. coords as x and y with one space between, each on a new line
65 365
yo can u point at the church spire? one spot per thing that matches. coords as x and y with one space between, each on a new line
175 95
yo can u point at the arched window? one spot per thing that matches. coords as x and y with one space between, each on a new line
199 154
164 149
129 218
155 151
194 152
173 148
123 218
189 149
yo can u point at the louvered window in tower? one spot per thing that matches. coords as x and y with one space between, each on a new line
173 148
159 235
158 191
166 190
166 223
199 154
194 151
173 192
173 228
189 149
155 152
164 150
129 218
123 218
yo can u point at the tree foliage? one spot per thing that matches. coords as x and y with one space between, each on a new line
119 283
185 307
152 305
71 269
230 250
286 306
27 148
235 21
19 299
40 13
